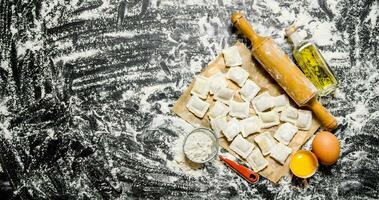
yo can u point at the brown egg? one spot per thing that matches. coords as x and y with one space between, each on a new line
326 147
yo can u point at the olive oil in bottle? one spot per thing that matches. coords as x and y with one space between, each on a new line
312 63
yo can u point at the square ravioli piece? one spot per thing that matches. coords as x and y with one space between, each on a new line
232 56
239 109
256 160
241 146
265 142
218 109
304 120
269 119
216 82
201 87
224 95
289 114
197 106
237 75
285 133
263 102
249 90
250 125
218 125
281 102
280 153
232 129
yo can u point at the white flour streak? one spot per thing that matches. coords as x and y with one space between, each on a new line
274 6
339 94
120 76
373 15
127 34
101 11
4 64
336 55
5 131
359 117
314 4
33 45
50 18
323 33
3 108
207 31
5 122
77 55
180 3
63 44
88 15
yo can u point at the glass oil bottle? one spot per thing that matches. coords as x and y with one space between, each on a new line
312 63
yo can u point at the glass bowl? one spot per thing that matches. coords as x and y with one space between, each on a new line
212 144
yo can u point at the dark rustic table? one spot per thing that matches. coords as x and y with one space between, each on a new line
86 88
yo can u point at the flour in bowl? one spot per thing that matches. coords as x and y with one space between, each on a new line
200 146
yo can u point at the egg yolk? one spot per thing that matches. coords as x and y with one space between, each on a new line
303 164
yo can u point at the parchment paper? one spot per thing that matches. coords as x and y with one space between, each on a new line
274 171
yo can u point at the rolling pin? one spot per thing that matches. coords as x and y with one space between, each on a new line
284 71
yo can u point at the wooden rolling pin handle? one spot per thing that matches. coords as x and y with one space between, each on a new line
240 22
323 115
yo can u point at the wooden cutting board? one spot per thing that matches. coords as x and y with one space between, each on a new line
274 171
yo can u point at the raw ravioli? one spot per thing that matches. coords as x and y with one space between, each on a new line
285 133
281 102
265 142
218 109
263 102
201 87
224 95
232 56
269 119
238 75
218 125
250 125
304 119
232 129
239 109
280 152
289 114
216 82
249 90
197 106
241 146
256 160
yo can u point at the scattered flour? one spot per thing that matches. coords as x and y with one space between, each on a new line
4 122
359 117
373 15
323 33
179 163
145 94
99 12
126 34
77 55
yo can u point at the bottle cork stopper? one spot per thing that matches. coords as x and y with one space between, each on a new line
290 29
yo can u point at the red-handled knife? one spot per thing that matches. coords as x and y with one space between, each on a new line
245 172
